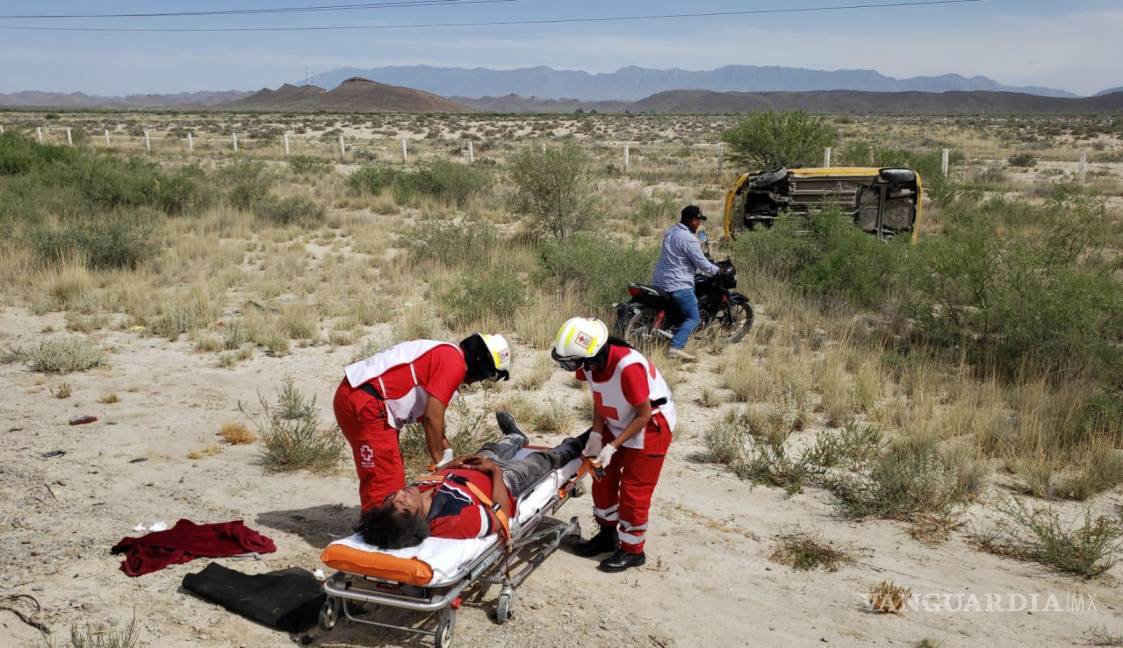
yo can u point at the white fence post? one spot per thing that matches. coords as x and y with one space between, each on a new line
190 143
471 151
107 138
235 137
147 142
944 162
39 134
827 157
405 152
1082 169
286 144
627 157
69 138
342 149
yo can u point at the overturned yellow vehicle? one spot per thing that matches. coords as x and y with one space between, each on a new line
885 202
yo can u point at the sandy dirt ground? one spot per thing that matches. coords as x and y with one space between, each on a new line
708 581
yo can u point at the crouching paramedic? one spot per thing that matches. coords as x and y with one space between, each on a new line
412 381
633 417
455 502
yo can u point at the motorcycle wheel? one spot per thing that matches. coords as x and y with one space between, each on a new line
638 329
728 330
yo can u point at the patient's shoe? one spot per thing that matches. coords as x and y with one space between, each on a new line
603 542
621 560
508 425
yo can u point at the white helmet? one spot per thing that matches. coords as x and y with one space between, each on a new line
580 338
500 351
488 357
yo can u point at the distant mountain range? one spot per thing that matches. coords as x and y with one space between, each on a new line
1109 91
634 83
353 95
182 100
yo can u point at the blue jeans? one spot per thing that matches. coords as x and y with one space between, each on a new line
688 306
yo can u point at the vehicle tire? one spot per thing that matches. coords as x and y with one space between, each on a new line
638 329
503 605
443 636
734 331
329 614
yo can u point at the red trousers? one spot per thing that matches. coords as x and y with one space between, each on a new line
374 444
623 496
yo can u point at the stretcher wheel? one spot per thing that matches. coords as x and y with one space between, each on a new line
329 613
578 489
443 636
503 605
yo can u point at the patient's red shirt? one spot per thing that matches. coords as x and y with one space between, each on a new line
455 512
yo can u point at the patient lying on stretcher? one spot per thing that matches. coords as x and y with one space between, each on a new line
445 506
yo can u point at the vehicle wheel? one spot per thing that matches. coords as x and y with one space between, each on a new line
503 605
443 637
329 613
638 329
742 320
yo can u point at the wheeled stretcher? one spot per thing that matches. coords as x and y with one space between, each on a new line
431 577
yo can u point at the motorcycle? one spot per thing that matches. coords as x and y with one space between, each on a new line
650 314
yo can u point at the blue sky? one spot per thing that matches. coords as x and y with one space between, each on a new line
1076 45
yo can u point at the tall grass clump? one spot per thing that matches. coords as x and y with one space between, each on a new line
117 239
555 189
291 434
293 210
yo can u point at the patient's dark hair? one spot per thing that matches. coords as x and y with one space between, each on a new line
384 527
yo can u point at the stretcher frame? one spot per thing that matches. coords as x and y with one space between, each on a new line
502 565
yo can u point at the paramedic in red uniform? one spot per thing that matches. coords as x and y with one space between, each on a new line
633 417
412 381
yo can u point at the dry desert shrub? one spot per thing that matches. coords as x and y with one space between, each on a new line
805 551
539 371
206 451
1087 547
887 598
236 434
100 636
109 399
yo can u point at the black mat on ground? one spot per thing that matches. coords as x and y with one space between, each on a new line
288 599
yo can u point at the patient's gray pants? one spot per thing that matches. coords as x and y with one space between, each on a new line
520 475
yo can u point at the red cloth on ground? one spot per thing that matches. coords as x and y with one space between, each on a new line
186 541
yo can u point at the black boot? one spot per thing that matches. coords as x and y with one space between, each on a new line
507 425
603 542
621 560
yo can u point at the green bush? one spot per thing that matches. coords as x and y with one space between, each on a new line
1018 286
770 139
485 294
307 164
824 255
294 210
291 435
248 183
114 240
446 181
555 188
598 267
65 355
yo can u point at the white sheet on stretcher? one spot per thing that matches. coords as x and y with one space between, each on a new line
446 557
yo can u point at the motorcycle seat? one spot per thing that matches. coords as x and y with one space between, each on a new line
649 290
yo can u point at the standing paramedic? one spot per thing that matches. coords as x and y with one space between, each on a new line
633 417
412 381
681 259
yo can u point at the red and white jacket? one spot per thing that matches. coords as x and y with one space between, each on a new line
405 402
613 406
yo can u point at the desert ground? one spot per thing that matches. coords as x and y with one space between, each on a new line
267 268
